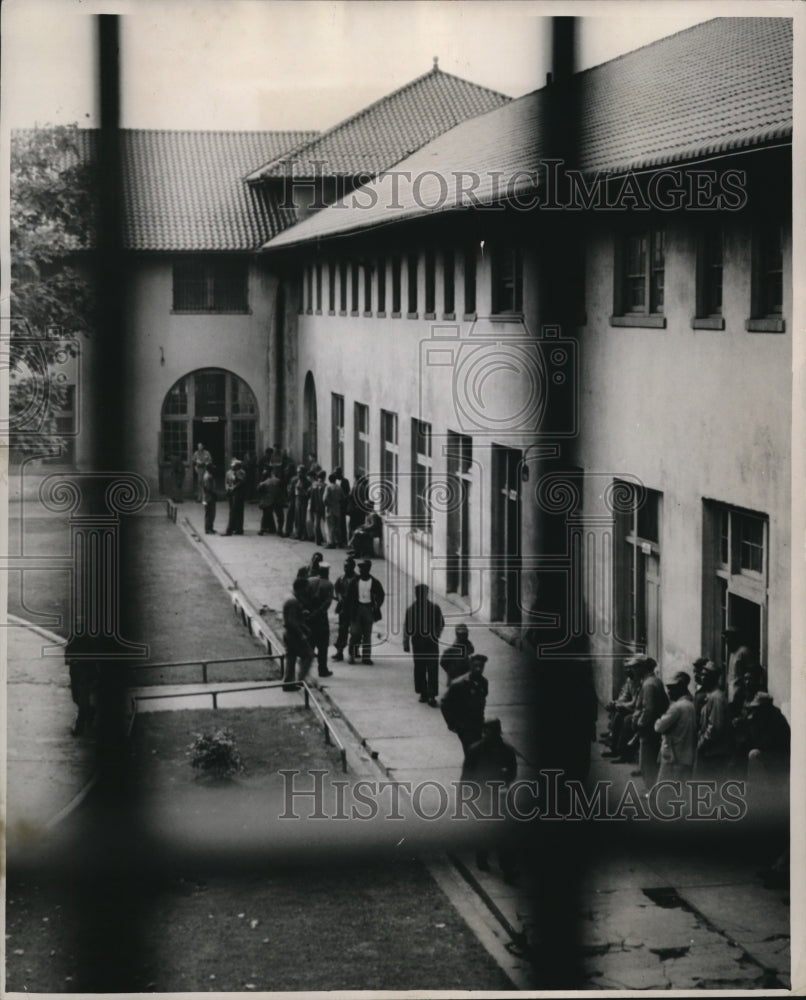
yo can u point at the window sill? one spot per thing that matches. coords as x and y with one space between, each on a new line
367 312
331 312
342 312
648 322
449 315
211 312
429 315
396 315
381 314
354 312
411 315
318 312
309 312
708 323
470 317
508 317
765 324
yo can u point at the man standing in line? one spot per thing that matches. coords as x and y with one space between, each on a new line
365 597
270 501
456 658
333 502
421 631
464 702
741 657
296 636
650 704
201 456
677 728
318 601
714 735
316 507
209 498
235 485
342 609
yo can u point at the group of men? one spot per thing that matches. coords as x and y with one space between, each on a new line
722 730
296 501
359 597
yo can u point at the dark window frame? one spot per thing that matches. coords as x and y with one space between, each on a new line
211 283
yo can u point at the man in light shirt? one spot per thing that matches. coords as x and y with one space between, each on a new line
678 729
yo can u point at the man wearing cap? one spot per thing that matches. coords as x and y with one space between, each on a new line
422 628
464 702
456 658
235 486
678 730
363 602
650 704
319 597
296 636
714 730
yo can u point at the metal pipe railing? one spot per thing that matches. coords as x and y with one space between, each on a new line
204 664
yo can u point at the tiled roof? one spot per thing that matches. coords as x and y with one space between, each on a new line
186 190
721 86
385 132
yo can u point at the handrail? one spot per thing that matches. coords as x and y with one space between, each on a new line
205 663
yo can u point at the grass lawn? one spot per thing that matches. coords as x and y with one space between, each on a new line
357 923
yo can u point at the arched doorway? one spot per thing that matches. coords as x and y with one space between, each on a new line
309 430
211 406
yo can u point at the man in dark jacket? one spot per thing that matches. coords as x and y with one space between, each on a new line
270 501
363 602
650 704
235 485
456 658
421 631
463 703
318 600
342 610
296 636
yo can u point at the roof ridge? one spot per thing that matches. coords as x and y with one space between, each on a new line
363 112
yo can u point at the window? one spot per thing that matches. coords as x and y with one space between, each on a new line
319 286
412 285
637 568
382 286
337 431
243 401
396 266
638 293
176 402
421 467
243 437
507 281
389 456
735 547
710 256
767 304
430 283
354 273
309 288
331 287
210 284
361 441
470 280
343 287
174 440
448 285
368 290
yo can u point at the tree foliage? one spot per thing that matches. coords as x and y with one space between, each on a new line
51 304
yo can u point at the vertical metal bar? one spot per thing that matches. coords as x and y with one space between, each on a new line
204 673
307 697
344 760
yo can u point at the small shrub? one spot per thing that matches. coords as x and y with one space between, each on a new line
217 754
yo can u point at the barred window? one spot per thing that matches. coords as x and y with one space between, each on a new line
421 467
211 284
